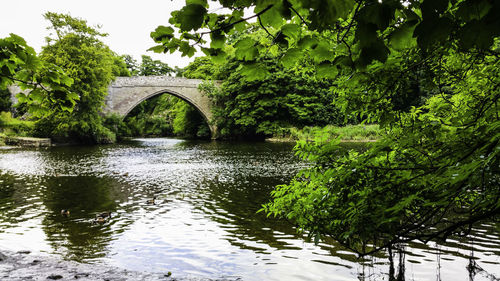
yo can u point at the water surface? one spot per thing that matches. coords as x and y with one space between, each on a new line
204 221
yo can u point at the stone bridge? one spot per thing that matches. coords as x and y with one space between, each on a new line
125 93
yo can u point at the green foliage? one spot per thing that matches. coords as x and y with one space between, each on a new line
153 117
256 108
120 66
434 174
117 126
189 123
427 71
11 126
361 27
161 116
283 99
150 67
348 132
5 102
277 97
46 83
131 64
201 68
92 65
147 67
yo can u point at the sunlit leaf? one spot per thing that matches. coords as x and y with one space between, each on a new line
191 16
291 57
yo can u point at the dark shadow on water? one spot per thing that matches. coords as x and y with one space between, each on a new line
85 197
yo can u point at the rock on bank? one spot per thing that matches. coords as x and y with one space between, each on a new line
22 266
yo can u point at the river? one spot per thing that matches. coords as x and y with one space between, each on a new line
204 221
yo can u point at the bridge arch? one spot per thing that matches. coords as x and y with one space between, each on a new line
175 94
125 93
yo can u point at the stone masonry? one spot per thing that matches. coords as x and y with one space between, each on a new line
125 93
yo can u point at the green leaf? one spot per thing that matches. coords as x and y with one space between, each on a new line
186 49
246 50
366 34
191 17
322 52
291 31
66 80
158 49
291 57
72 96
378 14
253 71
307 42
22 98
326 70
36 95
217 55
217 39
271 17
473 10
325 13
203 3
402 37
161 33
476 33
432 30
284 8
376 51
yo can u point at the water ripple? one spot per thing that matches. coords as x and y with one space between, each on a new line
203 221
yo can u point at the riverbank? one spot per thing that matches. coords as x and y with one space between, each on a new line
26 141
342 140
23 265
349 133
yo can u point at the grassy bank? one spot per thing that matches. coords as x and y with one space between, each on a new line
354 133
11 127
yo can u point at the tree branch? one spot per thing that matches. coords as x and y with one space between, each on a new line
301 18
238 21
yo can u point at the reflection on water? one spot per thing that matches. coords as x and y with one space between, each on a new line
204 219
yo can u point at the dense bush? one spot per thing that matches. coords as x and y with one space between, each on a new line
12 126
5 102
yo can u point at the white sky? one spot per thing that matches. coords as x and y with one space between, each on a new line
128 22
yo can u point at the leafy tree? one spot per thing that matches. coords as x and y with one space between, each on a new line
131 65
77 49
150 67
426 70
120 67
201 68
364 31
46 83
284 98
434 175
179 71
189 123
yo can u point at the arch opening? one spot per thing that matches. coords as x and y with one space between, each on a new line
166 113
